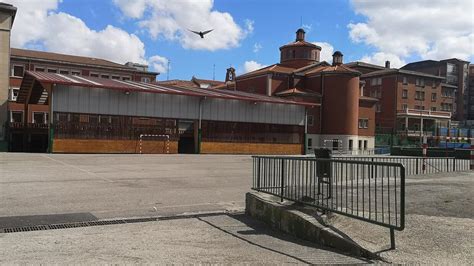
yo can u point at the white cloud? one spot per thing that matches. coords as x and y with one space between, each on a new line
172 20
250 66
307 27
38 25
380 58
159 63
431 29
326 51
257 47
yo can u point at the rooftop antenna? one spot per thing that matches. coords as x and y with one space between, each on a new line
214 72
168 71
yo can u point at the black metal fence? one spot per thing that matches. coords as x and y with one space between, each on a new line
418 165
370 191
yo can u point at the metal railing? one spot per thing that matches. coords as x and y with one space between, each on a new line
369 191
419 165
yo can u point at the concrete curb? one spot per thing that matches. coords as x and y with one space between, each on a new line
291 219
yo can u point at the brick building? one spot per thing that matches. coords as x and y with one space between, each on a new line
7 16
36 119
343 118
455 72
410 103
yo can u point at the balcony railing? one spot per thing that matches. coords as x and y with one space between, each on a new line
424 113
21 125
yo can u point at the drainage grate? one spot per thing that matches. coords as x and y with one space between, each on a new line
74 225
109 222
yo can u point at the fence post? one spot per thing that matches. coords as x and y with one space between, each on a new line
447 164
392 238
282 179
454 164
417 166
258 173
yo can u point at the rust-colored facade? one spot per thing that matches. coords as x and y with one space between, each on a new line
343 117
411 103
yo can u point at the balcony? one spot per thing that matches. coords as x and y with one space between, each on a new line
415 113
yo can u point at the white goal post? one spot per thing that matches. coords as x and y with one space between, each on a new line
166 137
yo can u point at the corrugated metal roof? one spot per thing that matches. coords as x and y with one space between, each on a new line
80 81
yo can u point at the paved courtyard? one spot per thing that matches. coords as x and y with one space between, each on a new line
112 186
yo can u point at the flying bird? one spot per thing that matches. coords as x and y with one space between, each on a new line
201 33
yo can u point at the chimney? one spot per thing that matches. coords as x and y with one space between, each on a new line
230 75
387 64
300 35
337 58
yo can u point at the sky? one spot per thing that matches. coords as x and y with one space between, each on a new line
246 33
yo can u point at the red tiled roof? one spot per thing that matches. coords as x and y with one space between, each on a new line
333 69
65 58
300 43
297 92
53 78
275 68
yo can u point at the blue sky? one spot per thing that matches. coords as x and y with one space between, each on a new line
154 31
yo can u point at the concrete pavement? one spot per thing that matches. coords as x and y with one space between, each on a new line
219 239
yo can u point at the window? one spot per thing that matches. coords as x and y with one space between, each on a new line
115 77
420 82
376 93
376 81
365 144
404 107
104 119
405 80
76 73
335 144
419 107
146 79
310 142
378 108
105 76
39 69
126 78
40 117
433 108
363 123
52 70
293 53
18 71
433 97
420 95
433 84
310 120
447 92
405 94
360 144
16 116
448 107
63 72
14 93
351 144
94 75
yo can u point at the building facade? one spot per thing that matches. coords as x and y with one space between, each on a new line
96 115
36 120
7 16
411 104
342 118
455 73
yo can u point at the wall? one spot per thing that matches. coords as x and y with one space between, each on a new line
112 146
113 102
367 111
250 148
388 101
340 105
256 84
5 26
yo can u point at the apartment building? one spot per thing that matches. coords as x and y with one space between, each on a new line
410 103
456 75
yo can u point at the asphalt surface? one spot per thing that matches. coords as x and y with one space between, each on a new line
111 186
